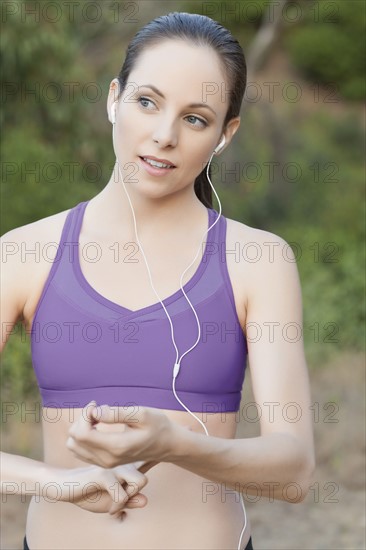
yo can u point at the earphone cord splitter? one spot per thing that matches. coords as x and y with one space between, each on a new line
176 368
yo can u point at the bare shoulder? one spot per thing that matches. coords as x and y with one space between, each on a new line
39 230
27 253
252 235
263 258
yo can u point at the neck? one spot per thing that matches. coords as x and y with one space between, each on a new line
156 214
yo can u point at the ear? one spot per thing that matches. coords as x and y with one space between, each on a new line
112 96
230 129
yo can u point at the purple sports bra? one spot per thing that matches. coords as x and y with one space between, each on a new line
86 347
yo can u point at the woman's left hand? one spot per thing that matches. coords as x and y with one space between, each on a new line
140 434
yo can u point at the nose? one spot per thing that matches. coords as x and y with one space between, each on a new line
165 134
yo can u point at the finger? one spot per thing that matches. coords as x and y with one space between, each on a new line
84 425
132 488
133 416
113 445
118 505
86 453
112 448
118 495
96 456
146 466
78 451
137 501
89 413
130 476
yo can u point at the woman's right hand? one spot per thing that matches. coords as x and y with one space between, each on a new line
102 490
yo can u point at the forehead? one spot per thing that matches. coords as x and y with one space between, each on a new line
182 70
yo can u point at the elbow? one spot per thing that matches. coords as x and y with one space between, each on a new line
299 490
296 490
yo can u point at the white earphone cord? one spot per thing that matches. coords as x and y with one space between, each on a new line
177 362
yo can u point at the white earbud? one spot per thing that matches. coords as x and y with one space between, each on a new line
113 112
220 145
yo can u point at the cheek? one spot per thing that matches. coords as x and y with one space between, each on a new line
197 158
133 119
125 134
127 125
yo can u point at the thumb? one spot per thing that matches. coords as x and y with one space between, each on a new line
88 412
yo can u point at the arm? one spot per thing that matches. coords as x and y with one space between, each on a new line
284 452
24 476
271 466
92 488
19 475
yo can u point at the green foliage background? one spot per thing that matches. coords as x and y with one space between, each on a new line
314 198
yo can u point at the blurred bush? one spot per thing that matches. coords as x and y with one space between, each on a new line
330 49
18 380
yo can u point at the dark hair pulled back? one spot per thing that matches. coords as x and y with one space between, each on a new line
201 31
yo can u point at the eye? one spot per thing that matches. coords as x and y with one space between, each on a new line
191 119
144 101
149 105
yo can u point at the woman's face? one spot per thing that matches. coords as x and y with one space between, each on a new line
172 108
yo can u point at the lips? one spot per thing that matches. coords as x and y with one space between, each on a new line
156 159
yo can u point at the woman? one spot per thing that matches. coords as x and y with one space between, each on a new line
170 378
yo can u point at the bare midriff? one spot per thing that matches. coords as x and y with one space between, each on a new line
184 510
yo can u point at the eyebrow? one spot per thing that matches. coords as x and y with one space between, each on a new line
192 105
